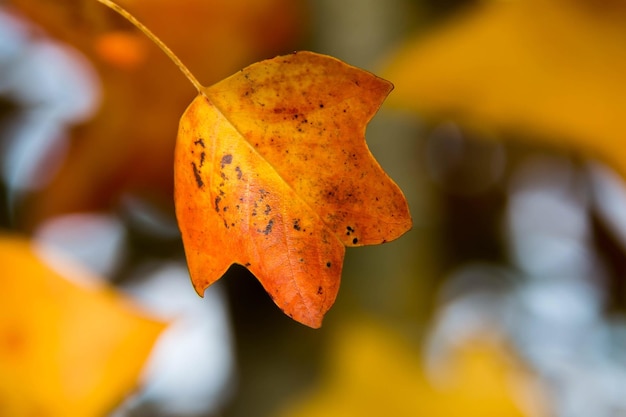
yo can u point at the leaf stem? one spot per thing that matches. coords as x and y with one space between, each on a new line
171 55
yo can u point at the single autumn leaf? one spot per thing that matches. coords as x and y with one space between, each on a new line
552 70
65 349
272 172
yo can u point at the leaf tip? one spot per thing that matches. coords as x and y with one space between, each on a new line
200 288
313 321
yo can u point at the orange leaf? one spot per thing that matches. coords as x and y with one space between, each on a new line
121 49
65 350
272 172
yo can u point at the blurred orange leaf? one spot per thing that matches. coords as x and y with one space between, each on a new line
129 144
122 49
372 371
65 350
554 69
272 172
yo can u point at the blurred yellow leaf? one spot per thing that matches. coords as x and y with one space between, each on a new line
129 145
65 350
552 68
373 372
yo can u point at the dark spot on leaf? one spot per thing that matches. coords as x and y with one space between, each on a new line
226 159
199 142
296 224
239 173
320 290
217 203
196 174
321 106
267 209
225 208
247 264
349 230
268 228
279 110
202 155
328 264
355 240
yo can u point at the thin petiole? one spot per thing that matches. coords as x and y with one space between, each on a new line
156 40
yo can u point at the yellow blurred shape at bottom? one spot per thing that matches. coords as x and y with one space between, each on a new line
373 372
65 350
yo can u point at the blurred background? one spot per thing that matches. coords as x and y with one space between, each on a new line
504 131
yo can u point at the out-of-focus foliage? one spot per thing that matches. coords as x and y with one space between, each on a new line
128 145
67 348
371 371
552 69
538 75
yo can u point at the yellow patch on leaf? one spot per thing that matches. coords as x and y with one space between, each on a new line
272 172
65 350
554 69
